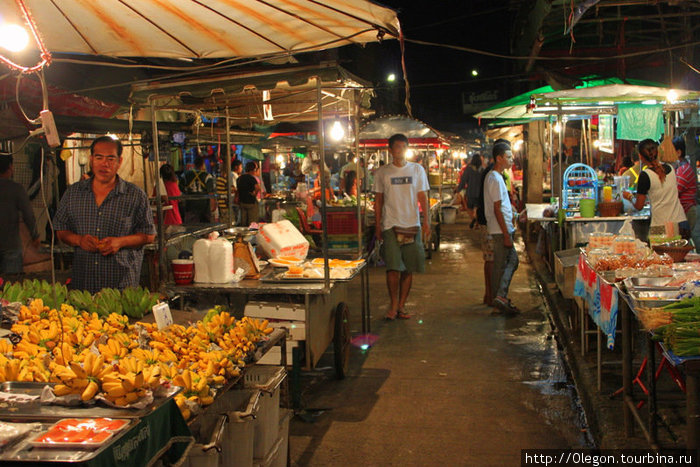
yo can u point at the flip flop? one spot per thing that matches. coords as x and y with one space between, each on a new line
402 315
389 317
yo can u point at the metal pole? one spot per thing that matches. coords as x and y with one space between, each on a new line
561 177
356 131
227 168
551 159
159 203
322 149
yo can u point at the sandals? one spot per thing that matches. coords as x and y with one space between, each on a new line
505 305
390 317
402 315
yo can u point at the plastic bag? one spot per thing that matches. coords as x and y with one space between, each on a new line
627 228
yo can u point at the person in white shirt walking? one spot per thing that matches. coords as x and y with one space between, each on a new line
500 226
400 187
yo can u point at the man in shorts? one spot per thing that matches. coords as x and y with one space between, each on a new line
400 187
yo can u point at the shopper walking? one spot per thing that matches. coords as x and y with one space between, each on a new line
199 182
686 182
13 202
499 222
248 188
400 187
658 183
172 190
486 240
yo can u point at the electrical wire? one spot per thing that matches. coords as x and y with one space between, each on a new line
33 121
521 57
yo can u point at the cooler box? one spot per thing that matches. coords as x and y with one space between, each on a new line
282 239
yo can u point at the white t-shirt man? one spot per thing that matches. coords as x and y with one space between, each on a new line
400 186
495 190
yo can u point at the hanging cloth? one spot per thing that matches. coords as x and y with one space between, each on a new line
638 121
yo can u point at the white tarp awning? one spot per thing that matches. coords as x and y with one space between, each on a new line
203 28
614 93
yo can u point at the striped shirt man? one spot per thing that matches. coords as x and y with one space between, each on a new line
686 180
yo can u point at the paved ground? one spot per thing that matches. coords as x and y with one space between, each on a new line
456 385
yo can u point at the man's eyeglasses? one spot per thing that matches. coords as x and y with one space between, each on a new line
108 159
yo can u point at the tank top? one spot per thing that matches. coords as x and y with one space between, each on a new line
663 198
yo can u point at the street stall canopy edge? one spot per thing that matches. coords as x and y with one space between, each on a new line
212 29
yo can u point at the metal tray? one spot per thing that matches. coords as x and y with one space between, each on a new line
653 298
56 412
276 276
23 451
649 284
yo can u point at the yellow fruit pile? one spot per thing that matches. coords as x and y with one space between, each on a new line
88 355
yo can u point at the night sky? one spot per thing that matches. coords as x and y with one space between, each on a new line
439 76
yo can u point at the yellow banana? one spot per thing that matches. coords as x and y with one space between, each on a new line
62 390
90 391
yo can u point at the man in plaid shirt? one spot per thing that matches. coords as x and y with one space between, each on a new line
686 179
107 220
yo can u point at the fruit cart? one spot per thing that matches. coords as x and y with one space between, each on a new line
324 312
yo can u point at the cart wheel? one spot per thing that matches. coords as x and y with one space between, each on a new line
341 341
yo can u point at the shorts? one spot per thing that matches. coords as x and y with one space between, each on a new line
408 258
486 243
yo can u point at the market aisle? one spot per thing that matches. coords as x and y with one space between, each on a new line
456 385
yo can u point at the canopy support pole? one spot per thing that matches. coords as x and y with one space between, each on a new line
323 184
227 168
562 132
159 202
360 181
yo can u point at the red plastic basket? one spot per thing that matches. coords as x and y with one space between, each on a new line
342 222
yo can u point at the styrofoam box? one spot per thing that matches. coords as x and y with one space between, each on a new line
274 355
266 426
277 457
282 239
296 330
272 310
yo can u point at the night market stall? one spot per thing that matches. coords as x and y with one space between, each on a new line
91 356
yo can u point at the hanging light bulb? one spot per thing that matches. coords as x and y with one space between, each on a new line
557 127
279 158
13 37
337 131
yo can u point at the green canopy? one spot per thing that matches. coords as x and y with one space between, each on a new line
253 152
516 107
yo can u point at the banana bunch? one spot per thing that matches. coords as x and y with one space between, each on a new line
124 389
5 347
112 350
64 354
257 327
134 366
21 292
115 322
136 302
195 387
181 402
9 369
82 300
109 301
26 350
83 380
154 357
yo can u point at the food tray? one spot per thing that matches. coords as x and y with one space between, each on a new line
23 451
57 412
649 283
277 276
653 298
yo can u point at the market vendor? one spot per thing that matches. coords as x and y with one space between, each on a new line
107 220
657 182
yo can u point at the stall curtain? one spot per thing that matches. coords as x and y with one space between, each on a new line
639 121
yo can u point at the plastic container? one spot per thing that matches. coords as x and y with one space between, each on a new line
213 260
607 194
342 222
183 271
268 380
449 214
587 207
282 239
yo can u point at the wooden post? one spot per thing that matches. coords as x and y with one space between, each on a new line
535 162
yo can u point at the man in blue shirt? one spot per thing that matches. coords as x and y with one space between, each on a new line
107 220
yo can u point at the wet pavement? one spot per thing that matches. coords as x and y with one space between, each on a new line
456 385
